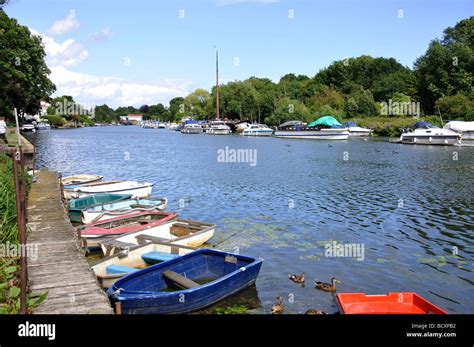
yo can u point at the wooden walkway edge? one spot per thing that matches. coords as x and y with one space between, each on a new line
58 264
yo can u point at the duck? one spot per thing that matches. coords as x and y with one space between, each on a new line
326 287
287 145
394 152
329 145
278 307
297 278
314 311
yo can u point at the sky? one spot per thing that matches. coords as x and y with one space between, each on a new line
149 51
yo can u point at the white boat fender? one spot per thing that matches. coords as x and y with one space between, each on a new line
243 269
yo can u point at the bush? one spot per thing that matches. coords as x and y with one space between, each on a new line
55 121
457 106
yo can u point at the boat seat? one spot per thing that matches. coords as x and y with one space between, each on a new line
180 280
142 239
119 269
156 257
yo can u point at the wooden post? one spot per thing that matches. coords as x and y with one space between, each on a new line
118 307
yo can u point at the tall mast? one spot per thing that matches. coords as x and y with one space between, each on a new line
217 85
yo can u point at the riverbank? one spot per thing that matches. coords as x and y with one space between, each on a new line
391 126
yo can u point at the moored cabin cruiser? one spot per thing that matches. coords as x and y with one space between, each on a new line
257 130
424 133
192 128
355 130
239 127
218 127
465 129
324 128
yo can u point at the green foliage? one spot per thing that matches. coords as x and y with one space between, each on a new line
288 109
24 80
55 121
457 106
10 288
104 114
8 226
176 109
447 67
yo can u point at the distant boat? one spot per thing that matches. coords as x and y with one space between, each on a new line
136 189
133 222
257 130
424 133
239 127
28 128
173 126
218 127
192 129
202 278
75 207
324 128
391 303
355 130
177 231
110 269
80 179
43 126
114 209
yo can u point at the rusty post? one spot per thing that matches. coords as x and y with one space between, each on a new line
20 218
118 307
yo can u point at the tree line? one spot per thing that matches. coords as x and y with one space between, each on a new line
441 81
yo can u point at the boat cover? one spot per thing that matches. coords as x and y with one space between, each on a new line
291 123
460 126
423 125
326 121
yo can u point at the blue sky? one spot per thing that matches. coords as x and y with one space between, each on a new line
136 52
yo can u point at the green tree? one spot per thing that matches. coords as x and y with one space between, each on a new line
457 106
196 104
447 67
288 109
24 80
176 109
104 114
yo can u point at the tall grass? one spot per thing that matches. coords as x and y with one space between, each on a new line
8 225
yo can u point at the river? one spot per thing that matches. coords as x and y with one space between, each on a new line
409 207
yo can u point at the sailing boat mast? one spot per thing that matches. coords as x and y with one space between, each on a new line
217 85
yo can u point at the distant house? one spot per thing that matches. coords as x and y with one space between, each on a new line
132 117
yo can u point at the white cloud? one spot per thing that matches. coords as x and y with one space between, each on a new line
113 91
68 53
65 25
235 2
104 34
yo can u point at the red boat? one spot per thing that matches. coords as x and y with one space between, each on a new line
391 303
123 224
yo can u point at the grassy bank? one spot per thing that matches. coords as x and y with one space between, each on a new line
9 265
390 126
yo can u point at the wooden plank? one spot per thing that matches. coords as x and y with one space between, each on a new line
59 266
180 280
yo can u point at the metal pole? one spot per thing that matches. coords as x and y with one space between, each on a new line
21 214
19 199
217 85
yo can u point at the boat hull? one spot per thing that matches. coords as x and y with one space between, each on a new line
241 273
135 190
443 140
392 303
132 258
360 132
202 233
323 134
268 132
218 131
107 211
80 179
76 207
191 131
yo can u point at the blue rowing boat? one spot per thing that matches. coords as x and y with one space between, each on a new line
184 284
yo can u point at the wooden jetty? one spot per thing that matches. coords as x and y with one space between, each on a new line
59 266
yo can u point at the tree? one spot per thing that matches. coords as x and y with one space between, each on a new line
457 106
238 100
288 109
176 109
196 104
104 114
24 75
360 102
265 96
447 67
144 109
